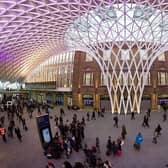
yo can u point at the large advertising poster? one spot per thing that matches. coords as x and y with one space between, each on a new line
43 125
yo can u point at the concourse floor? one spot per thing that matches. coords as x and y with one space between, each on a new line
29 153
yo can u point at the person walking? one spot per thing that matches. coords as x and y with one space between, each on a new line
18 134
154 140
148 113
158 130
145 122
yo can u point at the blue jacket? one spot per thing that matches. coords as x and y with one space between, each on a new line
139 139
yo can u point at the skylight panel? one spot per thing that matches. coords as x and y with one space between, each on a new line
143 13
106 13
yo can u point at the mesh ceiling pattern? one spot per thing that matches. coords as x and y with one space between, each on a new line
33 30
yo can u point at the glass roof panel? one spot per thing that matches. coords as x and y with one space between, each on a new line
120 22
142 12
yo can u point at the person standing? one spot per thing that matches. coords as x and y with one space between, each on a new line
82 131
109 146
132 115
123 132
62 112
88 116
83 121
38 109
115 121
138 141
164 116
97 145
93 116
148 113
56 120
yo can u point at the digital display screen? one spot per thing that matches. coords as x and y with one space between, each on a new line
46 135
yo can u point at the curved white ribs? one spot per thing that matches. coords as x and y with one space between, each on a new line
119 34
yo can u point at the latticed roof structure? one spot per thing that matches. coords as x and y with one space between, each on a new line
33 30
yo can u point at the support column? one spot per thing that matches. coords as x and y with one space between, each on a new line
154 96
79 100
96 101
154 100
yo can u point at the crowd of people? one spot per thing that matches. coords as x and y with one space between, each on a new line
12 120
69 138
92 154
70 133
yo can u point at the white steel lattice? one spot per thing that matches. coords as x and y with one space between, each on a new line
124 38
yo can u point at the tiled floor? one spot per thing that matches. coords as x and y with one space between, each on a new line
29 153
